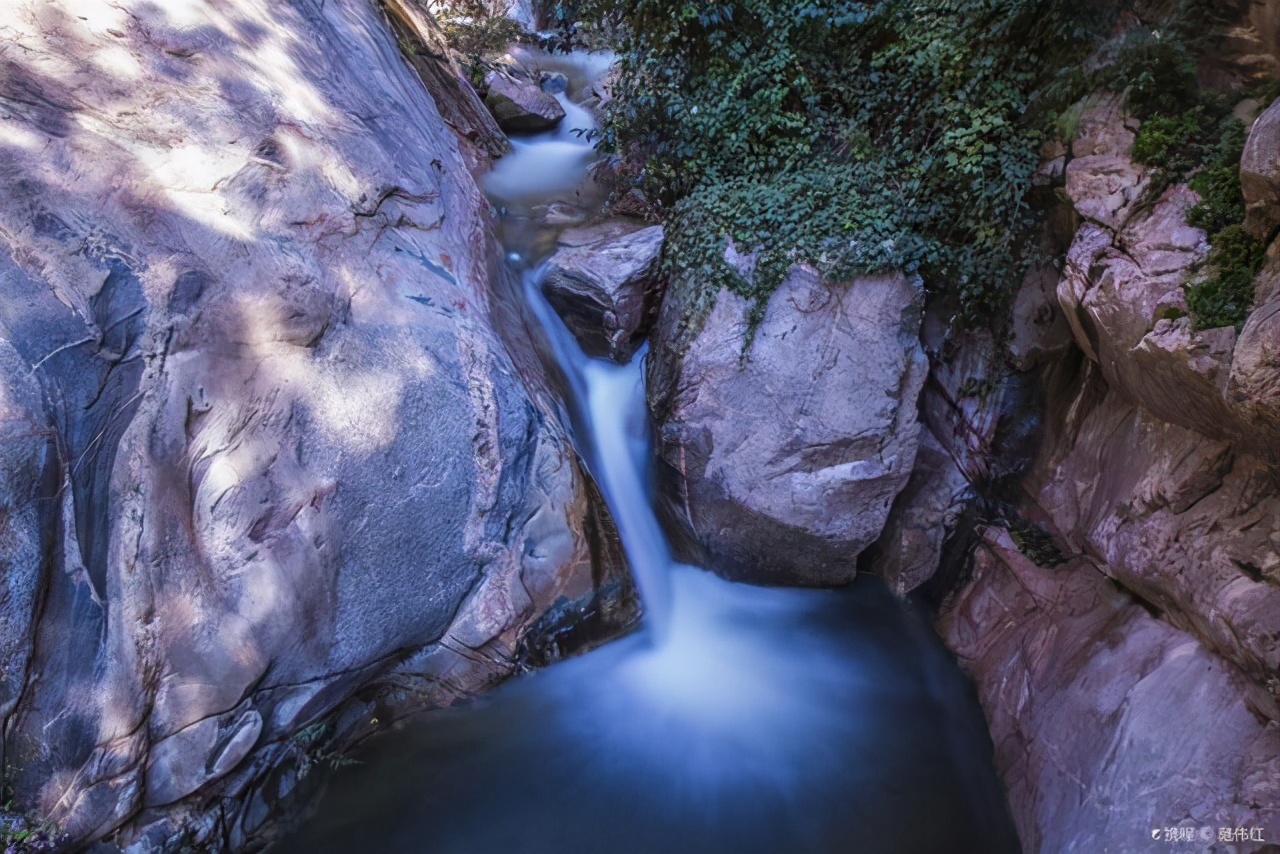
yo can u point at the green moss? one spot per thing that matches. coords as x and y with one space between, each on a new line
1036 543
1168 142
1225 296
1202 146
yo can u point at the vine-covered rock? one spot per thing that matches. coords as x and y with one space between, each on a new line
602 280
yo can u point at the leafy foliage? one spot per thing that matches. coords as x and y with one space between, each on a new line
1225 296
477 29
854 136
1203 145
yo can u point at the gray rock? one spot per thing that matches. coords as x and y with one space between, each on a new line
602 280
1039 330
265 459
784 451
520 106
1260 174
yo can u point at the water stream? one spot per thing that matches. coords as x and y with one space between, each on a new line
740 719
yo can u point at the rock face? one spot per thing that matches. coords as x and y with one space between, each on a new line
521 106
1107 721
1122 293
1136 687
1260 174
602 280
269 476
783 451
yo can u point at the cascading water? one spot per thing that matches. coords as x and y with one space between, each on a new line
743 719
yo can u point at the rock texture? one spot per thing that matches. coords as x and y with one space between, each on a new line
520 106
1122 293
1260 174
784 450
269 477
1135 686
602 280
1108 723
460 106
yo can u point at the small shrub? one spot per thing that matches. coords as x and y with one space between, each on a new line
477 29
1225 296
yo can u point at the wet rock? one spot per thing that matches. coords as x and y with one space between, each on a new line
1260 174
554 82
1091 699
602 280
520 106
266 461
784 449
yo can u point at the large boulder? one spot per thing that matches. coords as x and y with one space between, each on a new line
784 446
1260 174
520 106
270 478
602 280
1109 724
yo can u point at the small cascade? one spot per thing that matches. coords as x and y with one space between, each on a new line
742 720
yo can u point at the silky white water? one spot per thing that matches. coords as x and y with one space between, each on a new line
739 719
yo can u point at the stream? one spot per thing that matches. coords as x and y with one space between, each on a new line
738 719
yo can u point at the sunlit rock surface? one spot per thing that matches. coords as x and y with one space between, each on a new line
266 464
783 450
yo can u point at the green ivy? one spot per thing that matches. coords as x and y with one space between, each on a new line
854 136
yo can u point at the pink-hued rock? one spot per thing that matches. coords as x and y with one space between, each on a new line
1108 723
285 474
783 458
1189 523
1101 178
1122 294
521 106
